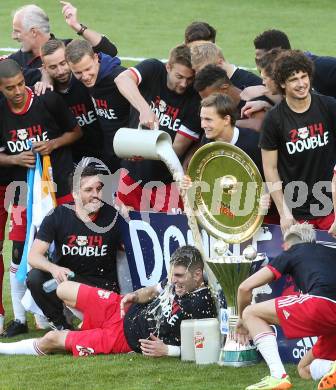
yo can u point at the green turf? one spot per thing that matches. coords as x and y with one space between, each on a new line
150 28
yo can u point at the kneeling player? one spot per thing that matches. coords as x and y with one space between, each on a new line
311 313
146 321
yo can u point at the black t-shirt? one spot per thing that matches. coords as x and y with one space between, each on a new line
247 140
324 77
88 249
312 267
43 118
163 316
80 103
306 147
176 113
242 78
27 60
112 109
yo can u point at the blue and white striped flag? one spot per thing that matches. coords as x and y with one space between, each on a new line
40 200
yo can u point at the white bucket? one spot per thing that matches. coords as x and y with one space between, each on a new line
129 142
206 340
187 340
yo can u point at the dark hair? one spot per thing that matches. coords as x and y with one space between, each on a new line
211 76
51 46
223 104
9 68
77 49
289 62
199 31
271 39
187 256
180 55
268 60
79 173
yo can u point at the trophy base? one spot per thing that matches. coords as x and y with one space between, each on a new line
238 358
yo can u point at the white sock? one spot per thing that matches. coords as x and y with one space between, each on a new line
319 367
18 290
268 347
23 347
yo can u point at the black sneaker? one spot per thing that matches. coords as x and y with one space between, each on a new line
15 328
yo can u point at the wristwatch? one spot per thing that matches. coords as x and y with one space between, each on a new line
81 31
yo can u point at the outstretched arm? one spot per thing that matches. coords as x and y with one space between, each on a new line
128 87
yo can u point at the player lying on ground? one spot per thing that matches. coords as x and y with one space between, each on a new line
145 321
311 313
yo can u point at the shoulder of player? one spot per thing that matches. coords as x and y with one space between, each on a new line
151 63
50 97
325 100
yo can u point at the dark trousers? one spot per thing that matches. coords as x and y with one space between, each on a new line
49 303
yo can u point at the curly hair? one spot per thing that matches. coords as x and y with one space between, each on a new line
271 39
289 62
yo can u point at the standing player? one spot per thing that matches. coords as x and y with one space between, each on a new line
207 53
97 73
161 95
85 237
151 325
49 125
298 145
31 28
324 80
214 79
199 31
218 114
311 313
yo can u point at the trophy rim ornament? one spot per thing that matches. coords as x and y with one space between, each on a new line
218 225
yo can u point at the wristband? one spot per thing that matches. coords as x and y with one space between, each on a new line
81 31
174 350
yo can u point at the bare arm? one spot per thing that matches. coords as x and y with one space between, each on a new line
127 85
67 138
244 297
181 144
37 259
143 295
274 183
23 159
70 14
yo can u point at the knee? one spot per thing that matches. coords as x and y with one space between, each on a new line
248 312
62 290
36 278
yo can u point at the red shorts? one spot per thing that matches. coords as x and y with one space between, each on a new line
161 199
3 212
322 223
306 315
102 331
18 221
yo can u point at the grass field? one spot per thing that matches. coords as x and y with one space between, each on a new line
150 28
